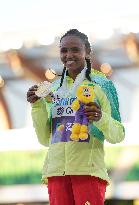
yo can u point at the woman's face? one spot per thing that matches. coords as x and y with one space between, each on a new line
73 53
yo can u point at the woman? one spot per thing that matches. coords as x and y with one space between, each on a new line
76 170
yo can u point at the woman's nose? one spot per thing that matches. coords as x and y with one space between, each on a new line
69 53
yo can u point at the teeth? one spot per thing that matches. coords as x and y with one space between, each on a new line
70 62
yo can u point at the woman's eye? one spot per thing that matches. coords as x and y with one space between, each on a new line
63 50
75 50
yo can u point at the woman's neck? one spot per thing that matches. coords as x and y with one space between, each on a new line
74 74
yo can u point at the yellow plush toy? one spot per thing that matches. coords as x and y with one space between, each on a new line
85 94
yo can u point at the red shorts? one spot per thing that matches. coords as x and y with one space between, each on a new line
76 190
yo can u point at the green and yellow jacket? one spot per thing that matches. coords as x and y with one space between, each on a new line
67 157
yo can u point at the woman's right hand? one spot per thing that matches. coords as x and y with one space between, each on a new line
31 96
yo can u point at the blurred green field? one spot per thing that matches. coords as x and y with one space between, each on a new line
21 167
113 154
25 167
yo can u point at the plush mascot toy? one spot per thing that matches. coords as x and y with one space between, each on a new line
85 94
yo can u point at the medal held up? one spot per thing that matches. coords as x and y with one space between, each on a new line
45 91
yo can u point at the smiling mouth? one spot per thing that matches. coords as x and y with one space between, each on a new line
70 62
87 95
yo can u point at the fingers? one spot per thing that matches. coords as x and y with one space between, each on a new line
31 96
33 88
92 107
92 118
30 93
92 104
93 112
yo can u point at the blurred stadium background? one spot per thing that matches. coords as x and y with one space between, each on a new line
29 49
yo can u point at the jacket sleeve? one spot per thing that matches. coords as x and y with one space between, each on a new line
41 121
112 129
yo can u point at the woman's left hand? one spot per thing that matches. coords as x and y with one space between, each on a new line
93 111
